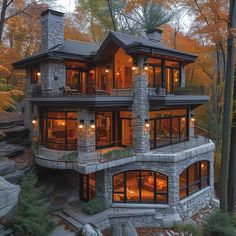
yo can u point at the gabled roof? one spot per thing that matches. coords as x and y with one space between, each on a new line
83 51
133 45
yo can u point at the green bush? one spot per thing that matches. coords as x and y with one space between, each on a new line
220 224
188 228
116 154
73 156
31 217
35 148
5 87
94 206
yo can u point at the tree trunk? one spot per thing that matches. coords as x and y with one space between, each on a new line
2 20
227 121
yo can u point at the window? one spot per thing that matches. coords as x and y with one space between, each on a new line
126 128
194 178
160 69
35 74
76 76
60 130
123 72
140 186
87 187
168 127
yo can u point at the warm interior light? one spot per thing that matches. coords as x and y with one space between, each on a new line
147 124
183 119
38 74
134 68
107 70
202 165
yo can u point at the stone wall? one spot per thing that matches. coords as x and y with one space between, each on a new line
53 75
172 170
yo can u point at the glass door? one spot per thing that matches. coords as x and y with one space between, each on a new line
163 130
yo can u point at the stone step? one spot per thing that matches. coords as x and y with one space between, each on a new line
71 221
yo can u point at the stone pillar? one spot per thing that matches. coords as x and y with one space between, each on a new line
140 110
182 76
86 134
191 124
173 191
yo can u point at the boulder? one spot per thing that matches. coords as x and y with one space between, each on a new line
15 177
6 166
90 230
125 229
8 196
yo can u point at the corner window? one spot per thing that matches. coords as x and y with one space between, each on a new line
194 178
140 186
60 130
35 74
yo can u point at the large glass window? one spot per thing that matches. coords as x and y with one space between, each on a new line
194 178
126 128
87 187
76 76
104 129
123 70
160 70
168 127
60 130
140 186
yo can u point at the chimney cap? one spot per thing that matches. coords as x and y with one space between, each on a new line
53 12
154 30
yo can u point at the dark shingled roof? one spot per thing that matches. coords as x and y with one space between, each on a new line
71 49
76 47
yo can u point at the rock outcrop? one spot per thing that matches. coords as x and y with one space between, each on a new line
8 196
90 230
126 229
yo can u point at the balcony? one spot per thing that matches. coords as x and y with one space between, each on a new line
91 161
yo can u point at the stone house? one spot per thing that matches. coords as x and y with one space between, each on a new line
120 117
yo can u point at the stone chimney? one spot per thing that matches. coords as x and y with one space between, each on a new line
154 35
52 27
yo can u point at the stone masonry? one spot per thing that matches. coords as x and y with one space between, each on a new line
140 111
52 29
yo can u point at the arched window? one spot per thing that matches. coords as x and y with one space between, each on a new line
140 186
194 178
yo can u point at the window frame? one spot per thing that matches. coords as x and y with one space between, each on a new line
198 182
155 192
86 178
35 79
44 131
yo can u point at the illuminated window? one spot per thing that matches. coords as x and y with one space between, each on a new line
194 178
123 70
140 186
35 74
168 127
87 187
60 130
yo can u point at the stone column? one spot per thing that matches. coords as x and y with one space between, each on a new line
191 125
173 191
140 109
182 76
86 134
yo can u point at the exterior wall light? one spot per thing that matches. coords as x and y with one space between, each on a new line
134 67
107 70
81 124
147 123
92 124
145 66
192 118
34 121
